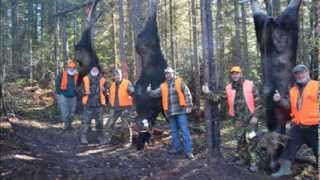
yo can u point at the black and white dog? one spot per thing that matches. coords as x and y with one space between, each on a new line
145 131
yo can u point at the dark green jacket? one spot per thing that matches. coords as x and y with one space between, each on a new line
71 88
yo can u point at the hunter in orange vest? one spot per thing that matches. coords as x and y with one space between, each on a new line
247 93
303 101
121 101
165 94
241 96
102 90
123 96
66 83
93 101
176 103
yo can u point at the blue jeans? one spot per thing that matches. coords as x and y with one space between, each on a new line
179 124
67 106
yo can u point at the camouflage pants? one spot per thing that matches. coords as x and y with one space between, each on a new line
90 113
126 116
245 151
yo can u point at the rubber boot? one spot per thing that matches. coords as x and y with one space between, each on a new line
83 139
66 126
108 137
101 137
285 169
253 168
130 139
83 135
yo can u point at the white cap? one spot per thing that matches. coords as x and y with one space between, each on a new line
169 70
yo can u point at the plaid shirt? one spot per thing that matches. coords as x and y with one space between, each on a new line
174 106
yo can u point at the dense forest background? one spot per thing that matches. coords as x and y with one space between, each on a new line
36 38
201 39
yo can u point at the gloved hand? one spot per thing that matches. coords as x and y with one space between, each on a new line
276 96
149 88
205 89
254 120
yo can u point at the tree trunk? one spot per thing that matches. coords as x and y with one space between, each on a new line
64 39
122 53
2 58
3 110
136 24
56 39
165 28
30 20
245 52
113 35
172 56
63 26
301 41
74 19
40 17
220 42
31 61
210 109
195 67
237 42
3 64
13 32
130 42
314 67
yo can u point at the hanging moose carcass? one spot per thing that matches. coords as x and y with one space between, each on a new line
153 65
85 52
277 38
152 62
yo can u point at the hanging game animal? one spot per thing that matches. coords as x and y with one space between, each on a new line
152 61
85 52
277 38
153 65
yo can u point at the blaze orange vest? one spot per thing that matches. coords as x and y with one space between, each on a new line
165 94
64 80
308 114
124 98
86 85
248 95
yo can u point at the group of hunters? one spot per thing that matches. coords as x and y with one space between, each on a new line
240 94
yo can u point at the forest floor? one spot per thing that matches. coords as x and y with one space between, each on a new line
34 146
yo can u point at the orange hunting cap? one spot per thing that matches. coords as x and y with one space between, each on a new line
71 64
